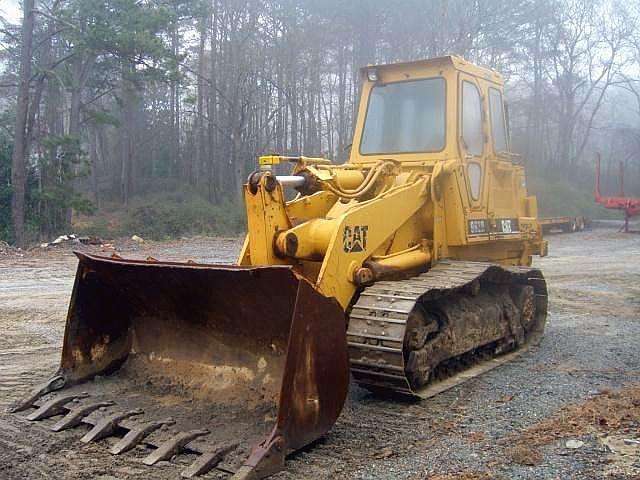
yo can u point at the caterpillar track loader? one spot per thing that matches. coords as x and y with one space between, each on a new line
408 267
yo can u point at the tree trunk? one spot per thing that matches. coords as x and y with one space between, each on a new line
129 106
343 133
213 187
200 113
20 151
175 112
93 159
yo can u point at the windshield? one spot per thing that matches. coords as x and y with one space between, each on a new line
405 117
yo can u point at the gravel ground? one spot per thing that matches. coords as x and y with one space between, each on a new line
590 347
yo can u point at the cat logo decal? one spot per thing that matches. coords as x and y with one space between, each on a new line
354 239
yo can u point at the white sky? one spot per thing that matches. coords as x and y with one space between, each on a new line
11 10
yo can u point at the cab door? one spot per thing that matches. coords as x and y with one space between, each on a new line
473 142
505 190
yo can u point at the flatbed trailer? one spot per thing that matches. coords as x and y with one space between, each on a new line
564 224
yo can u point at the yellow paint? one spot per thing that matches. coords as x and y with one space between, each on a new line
407 260
269 160
398 209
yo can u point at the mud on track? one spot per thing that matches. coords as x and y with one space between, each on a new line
591 345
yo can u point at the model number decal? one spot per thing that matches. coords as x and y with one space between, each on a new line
477 227
499 226
507 225
354 238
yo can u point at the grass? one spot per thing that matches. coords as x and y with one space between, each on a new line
558 198
173 212
162 216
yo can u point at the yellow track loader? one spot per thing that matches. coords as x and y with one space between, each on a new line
408 267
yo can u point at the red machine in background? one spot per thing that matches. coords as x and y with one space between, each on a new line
629 205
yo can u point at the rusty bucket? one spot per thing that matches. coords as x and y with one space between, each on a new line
243 336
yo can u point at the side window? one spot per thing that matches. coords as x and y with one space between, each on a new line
498 126
474 170
472 119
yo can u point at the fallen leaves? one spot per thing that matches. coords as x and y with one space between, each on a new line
466 475
606 412
603 414
505 399
384 453
475 437
524 455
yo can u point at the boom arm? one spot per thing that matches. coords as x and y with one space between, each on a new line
341 239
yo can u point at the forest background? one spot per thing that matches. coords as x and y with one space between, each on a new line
145 116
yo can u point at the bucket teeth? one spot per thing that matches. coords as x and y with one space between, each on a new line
207 461
173 446
244 473
54 383
107 426
136 435
75 416
55 406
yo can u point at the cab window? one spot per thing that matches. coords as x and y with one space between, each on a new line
472 134
474 171
498 127
405 117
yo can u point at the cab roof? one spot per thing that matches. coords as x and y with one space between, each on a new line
449 61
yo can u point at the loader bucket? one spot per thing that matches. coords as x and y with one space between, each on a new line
250 338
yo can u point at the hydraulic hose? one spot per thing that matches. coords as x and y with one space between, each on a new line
370 180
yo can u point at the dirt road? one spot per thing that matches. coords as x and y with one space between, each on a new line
513 422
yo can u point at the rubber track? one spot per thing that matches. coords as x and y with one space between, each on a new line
377 323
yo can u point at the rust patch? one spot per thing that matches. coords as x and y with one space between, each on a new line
99 350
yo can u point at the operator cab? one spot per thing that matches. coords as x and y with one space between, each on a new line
430 110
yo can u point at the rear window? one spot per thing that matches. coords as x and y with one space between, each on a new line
405 117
